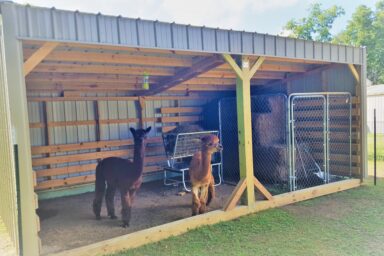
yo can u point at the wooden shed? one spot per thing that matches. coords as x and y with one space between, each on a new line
72 83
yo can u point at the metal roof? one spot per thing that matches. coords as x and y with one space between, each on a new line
74 26
375 90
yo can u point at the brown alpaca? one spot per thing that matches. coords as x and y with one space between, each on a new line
121 174
201 176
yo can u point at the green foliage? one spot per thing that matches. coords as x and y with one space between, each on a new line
366 28
317 25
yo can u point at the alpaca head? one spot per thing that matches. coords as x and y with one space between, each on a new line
140 135
211 144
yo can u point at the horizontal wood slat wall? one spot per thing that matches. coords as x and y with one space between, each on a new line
63 165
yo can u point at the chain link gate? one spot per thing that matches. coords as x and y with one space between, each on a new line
269 139
320 138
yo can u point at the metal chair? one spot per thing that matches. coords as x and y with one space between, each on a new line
179 148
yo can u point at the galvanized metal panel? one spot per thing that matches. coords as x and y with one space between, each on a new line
326 52
318 51
179 33
108 29
194 38
146 33
247 42
280 46
259 44
64 25
128 32
309 50
290 47
86 27
52 24
235 44
299 50
342 52
222 40
209 40
270 46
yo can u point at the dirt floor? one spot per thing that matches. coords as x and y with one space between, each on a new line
69 222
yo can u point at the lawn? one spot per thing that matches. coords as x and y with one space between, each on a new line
345 223
379 154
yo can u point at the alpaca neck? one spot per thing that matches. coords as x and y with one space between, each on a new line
138 156
206 160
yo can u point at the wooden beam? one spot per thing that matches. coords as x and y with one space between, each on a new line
262 189
118 98
236 195
185 74
120 48
102 69
113 58
179 227
37 57
310 72
256 66
243 103
181 110
354 72
141 109
228 58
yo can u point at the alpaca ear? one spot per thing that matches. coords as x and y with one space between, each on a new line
148 129
133 131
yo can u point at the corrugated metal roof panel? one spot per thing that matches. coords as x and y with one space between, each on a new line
51 24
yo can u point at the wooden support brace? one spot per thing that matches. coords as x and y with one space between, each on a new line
142 111
186 74
228 58
354 72
262 189
38 56
256 66
236 195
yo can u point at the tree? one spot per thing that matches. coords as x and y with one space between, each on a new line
317 25
366 28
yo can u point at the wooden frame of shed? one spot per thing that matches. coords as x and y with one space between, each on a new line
51 55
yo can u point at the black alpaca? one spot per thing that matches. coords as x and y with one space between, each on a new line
122 174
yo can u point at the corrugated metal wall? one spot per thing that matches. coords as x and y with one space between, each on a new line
52 24
337 79
68 111
8 194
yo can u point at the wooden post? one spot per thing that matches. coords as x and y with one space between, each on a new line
244 120
142 111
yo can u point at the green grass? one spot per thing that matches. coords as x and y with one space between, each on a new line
379 146
346 223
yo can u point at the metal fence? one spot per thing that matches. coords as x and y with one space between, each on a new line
320 138
269 139
298 142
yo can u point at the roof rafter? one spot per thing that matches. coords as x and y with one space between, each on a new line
185 74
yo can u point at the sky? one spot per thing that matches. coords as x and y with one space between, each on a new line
263 16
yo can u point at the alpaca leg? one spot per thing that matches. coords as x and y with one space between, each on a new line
211 191
97 202
125 207
195 200
110 201
203 199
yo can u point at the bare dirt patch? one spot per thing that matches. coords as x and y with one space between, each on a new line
69 222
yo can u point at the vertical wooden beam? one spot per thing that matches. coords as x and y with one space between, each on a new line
47 132
141 111
38 56
97 125
244 120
